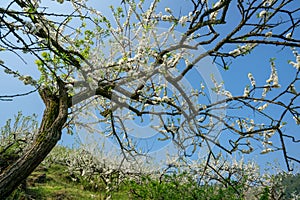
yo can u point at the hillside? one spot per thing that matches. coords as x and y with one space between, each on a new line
57 178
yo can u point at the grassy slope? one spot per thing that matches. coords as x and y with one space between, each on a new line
57 185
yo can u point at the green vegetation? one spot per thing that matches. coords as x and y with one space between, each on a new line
55 179
55 183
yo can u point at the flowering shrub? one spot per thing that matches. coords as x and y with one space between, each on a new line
16 137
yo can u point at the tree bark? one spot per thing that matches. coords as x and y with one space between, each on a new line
55 116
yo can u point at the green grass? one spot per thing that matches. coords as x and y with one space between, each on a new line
57 185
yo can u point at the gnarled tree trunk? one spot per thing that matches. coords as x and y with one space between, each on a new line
55 115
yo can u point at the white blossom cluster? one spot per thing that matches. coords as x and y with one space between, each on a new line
242 50
237 169
273 77
218 86
297 120
246 91
252 80
263 107
263 14
267 144
268 2
213 15
269 34
297 63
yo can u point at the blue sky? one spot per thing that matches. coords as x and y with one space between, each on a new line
235 78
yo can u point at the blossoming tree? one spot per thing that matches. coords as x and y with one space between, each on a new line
124 67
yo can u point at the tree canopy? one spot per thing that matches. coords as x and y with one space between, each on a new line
147 61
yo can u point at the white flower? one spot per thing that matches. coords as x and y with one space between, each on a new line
267 143
213 15
165 98
262 14
252 80
292 89
227 94
168 10
273 77
202 86
269 134
157 99
246 91
145 105
166 18
268 34
296 65
297 120
235 52
263 107
266 151
183 20
190 15
268 2
69 86
247 151
288 35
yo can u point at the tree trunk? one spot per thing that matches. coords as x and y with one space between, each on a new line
55 115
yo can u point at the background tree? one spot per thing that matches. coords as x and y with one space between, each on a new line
144 70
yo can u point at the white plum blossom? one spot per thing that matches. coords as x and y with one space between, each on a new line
165 98
262 14
190 16
235 52
297 120
267 150
183 20
168 10
242 49
274 76
269 34
69 86
292 89
252 80
265 143
263 107
227 94
268 2
297 63
166 18
269 134
288 35
157 99
246 91
214 14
